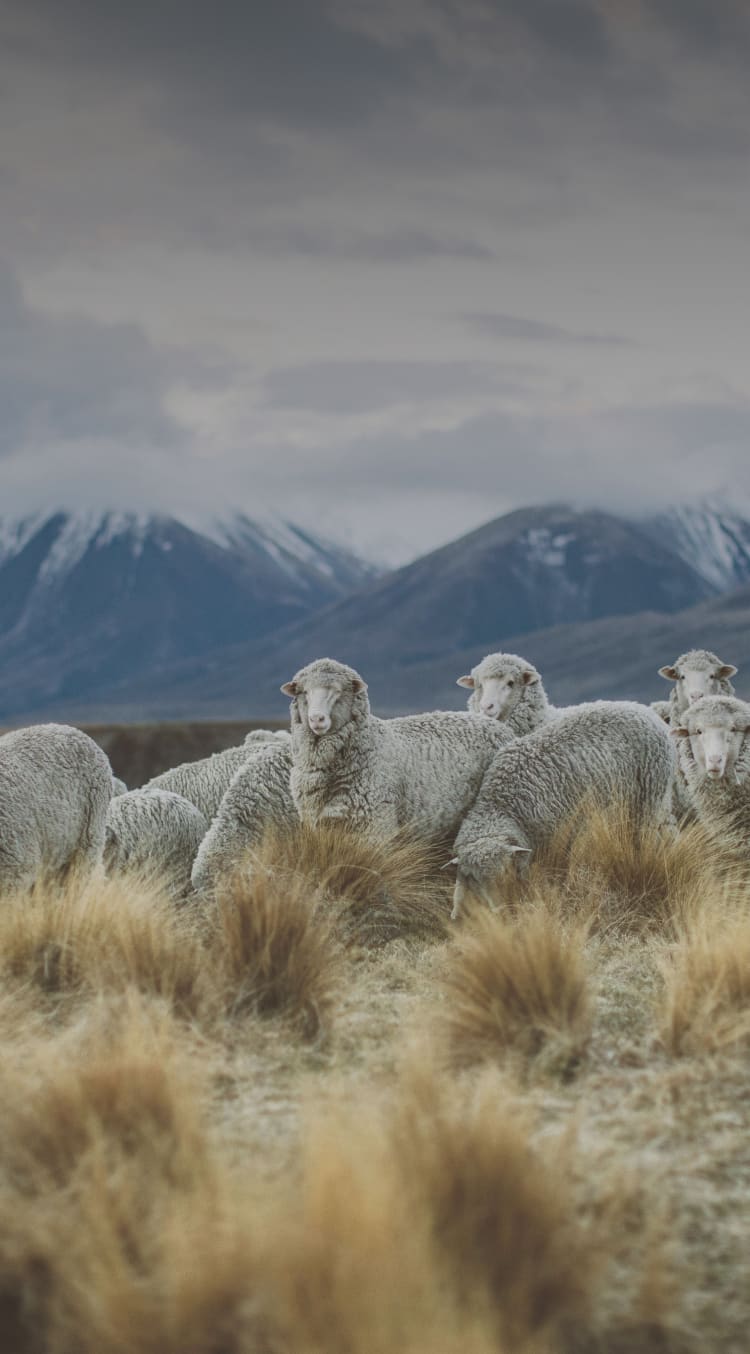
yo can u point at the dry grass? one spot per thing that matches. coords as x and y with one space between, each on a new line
275 951
705 1003
619 875
188 1165
517 988
379 890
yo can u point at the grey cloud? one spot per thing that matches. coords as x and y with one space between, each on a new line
360 387
405 245
494 324
69 378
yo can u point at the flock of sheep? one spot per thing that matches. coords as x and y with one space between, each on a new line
497 780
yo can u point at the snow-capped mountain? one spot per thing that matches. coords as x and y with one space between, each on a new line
712 537
87 598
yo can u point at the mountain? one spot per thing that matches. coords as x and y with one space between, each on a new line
88 600
712 537
530 571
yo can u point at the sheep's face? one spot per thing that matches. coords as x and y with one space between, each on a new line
716 730
482 869
697 675
325 706
496 696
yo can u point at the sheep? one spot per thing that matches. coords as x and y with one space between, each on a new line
508 688
154 833
661 708
204 782
55 788
598 752
417 772
696 673
713 742
257 799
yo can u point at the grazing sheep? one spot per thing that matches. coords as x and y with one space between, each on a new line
508 688
418 772
695 674
257 799
205 782
713 742
154 832
55 789
599 752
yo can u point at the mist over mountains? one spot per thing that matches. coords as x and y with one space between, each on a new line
124 616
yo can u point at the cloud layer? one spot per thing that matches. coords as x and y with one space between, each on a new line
390 268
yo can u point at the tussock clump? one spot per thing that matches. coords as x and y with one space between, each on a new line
379 889
517 988
426 1222
122 1228
705 1003
109 935
619 874
275 951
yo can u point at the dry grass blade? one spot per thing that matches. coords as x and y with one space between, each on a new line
517 989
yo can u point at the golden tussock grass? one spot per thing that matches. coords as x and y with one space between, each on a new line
108 935
275 951
704 1006
621 875
427 1221
379 889
517 988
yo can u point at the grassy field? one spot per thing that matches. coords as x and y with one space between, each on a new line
324 1120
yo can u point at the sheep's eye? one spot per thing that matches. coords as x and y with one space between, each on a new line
733 729
510 683
699 731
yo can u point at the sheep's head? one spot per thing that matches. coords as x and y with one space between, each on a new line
481 867
716 727
324 695
497 684
698 673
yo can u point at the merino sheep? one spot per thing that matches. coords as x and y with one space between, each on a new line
695 674
55 789
508 688
419 772
599 752
257 799
154 832
713 742
205 782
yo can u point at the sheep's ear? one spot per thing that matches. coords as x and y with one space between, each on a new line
358 684
465 681
449 862
680 732
528 676
726 670
669 673
289 688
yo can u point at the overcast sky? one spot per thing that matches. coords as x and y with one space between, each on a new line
391 269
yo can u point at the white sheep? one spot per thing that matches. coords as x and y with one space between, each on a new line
417 772
713 742
258 799
55 789
508 688
206 781
695 674
599 752
154 833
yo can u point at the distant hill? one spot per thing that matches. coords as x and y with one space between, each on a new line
597 601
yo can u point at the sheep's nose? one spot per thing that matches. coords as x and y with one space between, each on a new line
318 723
694 696
488 708
716 763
